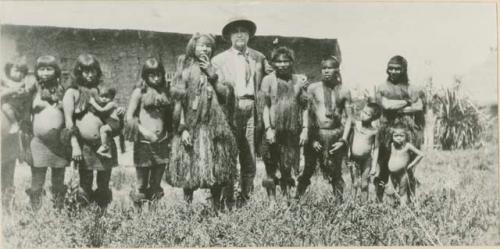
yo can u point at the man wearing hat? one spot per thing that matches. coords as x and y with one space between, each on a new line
243 68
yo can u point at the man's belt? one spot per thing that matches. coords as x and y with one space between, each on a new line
246 97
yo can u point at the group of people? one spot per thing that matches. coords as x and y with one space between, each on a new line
193 130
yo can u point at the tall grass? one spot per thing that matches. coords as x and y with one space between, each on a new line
459 123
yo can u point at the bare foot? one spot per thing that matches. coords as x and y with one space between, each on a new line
104 151
14 128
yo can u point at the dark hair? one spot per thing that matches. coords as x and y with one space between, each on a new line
21 66
283 50
191 46
153 65
377 110
334 59
399 60
86 62
400 125
109 92
47 61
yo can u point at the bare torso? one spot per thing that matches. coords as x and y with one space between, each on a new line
322 115
363 140
400 158
49 121
88 125
152 120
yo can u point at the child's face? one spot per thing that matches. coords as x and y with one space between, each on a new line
15 74
328 70
399 136
366 114
104 98
283 65
89 75
46 73
203 48
154 78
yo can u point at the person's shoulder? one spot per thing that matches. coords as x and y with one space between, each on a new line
299 78
256 54
220 56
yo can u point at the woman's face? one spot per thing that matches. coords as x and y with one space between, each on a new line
154 78
46 73
89 75
203 47
15 74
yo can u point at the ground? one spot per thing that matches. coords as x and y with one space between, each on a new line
457 204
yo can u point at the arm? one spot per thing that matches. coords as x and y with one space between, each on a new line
68 109
133 104
417 106
7 91
417 159
375 150
109 106
347 125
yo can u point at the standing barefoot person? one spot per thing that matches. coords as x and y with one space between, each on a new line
83 126
147 124
329 101
204 150
16 103
285 119
48 121
402 103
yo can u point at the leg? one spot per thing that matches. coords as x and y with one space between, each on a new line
405 187
336 178
365 178
139 196
103 194
155 190
310 158
270 158
84 196
36 190
383 176
7 173
356 176
188 195
58 188
105 132
10 112
246 158
216 192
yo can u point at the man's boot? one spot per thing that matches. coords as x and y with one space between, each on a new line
35 198
154 194
246 190
58 196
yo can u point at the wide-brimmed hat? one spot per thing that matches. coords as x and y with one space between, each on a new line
233 23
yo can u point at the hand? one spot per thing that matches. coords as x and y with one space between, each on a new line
186 138
270 135
92 101
76 154
336 146
303 137
206 66
120 111
317 146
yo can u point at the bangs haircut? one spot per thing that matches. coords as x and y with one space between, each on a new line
286 51
377 111
191 46
47 61
87 62
333 59
152 66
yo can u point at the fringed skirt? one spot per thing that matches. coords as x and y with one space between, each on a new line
49 154
94 161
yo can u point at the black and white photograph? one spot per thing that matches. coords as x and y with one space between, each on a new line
140 124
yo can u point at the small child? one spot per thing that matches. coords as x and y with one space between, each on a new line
14 93
364 149
106 108
400 163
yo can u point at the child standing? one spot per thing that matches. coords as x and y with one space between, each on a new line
400 163
364 148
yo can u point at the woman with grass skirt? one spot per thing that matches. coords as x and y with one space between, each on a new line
82 133
204 149
47 149
403 104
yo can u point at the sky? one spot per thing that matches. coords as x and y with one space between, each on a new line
438 39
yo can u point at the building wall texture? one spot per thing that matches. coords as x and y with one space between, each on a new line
122 52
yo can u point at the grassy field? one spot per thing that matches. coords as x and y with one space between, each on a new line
457 204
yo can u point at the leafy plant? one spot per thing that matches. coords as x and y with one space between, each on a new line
459 123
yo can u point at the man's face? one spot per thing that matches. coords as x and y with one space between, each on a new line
203 48
395 72
328 70
15 74
46 73
239 37
89 75
283 65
